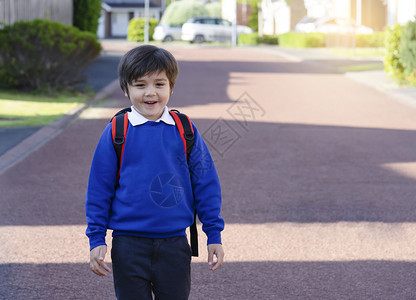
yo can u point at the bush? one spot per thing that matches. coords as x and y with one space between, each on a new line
392 64
269 39
44 54
408 51
179 12
136 29
302 40
374 40
86 15
248 39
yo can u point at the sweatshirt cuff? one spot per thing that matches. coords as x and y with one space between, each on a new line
96 240
214 238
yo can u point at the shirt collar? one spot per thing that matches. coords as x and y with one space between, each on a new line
137 119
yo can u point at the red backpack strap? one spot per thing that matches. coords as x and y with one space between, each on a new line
119 125
184 126
186 131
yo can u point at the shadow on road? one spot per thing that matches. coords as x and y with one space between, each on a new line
301 173
213 89
249 280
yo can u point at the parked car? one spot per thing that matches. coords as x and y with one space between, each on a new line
331 25
205 29
167 33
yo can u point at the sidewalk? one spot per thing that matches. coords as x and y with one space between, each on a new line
376 79
19 143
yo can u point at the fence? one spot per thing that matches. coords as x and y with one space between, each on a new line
18 10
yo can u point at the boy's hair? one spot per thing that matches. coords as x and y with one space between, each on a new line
144 60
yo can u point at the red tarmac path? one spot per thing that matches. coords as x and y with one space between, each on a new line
318 174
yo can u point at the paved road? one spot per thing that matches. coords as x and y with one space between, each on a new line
318 175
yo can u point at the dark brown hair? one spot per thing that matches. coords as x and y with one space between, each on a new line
144 60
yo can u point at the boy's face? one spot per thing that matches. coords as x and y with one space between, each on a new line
150 94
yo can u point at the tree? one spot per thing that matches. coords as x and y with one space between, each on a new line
253 21
86 14
179 12
214 9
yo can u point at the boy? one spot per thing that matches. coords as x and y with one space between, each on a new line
153 200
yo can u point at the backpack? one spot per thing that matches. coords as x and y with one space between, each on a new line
119 125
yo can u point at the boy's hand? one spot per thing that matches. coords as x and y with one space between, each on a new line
97 264
215 249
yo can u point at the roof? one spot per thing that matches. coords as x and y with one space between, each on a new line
109 5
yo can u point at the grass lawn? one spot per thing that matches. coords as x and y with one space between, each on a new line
359 51
20 109
363 67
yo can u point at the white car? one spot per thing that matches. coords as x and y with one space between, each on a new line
331 25
205 29
167 33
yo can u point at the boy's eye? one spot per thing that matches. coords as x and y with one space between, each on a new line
138 85
160 84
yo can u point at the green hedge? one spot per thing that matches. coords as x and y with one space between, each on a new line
251 39
374 40
136 29
408 51
269 39
86 15
400 58
392 64
248 39
43 54
302 40
308 40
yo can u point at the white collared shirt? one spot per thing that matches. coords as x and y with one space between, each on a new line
137 119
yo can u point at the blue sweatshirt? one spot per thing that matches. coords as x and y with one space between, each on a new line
155 196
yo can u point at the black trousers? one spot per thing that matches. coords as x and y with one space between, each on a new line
142 266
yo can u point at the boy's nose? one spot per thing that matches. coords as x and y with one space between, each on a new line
150 91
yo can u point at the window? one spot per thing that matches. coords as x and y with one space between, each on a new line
208 21
223 22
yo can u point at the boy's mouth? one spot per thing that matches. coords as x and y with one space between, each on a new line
150 102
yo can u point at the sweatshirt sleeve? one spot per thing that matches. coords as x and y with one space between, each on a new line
207 190
101 189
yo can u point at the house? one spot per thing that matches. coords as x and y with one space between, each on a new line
400 11
116 15
279 16
274 17
230 7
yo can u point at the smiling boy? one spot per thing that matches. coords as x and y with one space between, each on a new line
152 203
149 95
